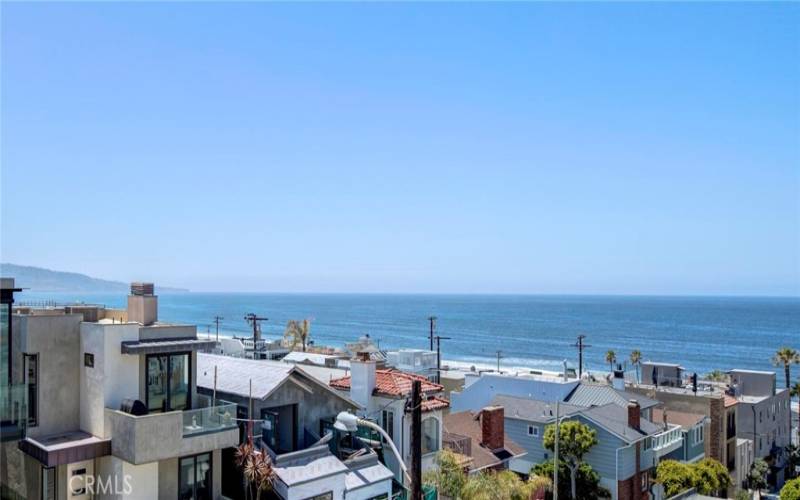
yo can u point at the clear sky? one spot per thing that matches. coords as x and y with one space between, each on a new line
516 147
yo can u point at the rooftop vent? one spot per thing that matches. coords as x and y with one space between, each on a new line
142 288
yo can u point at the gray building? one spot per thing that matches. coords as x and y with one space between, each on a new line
112 408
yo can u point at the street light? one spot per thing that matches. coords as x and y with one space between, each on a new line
347 422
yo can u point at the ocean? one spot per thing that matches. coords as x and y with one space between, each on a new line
536 331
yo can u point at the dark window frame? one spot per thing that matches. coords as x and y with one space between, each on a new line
88 360
168 397
210 455
42 482
33 408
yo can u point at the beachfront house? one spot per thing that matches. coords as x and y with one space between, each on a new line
382 396
112 405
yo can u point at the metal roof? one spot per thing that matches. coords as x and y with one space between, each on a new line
586 395
165 345
533 410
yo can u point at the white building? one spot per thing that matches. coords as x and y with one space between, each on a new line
383 395
418 361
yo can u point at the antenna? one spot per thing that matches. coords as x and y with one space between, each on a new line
217 319
432 320
255 321
581 346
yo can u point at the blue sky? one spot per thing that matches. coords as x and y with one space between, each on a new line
447 147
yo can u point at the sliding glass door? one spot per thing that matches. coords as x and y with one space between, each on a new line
168 382
194 477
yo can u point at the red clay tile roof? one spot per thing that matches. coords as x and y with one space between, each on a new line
391 383
729 401
435 403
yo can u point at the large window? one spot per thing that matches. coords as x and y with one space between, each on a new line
194 477
168 382
430 435
32 382
388 423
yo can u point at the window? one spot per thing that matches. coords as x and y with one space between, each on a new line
48 483
697 435
380 497
168 382
645 480
194 477
533 431
388 423
88 360
648 443
430 435
32 382
324 496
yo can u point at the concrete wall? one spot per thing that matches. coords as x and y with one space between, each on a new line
753 383
114 377
56 339
155 332
772 417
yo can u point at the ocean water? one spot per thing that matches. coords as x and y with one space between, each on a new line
701 333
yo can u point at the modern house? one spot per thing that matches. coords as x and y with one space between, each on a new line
628 450
417 361
383 394
480 440
763 416
294 413
112 405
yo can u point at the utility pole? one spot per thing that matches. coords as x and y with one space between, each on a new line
432 320
499 355
555 459
416 440
217 319
439 339
255 320
581 346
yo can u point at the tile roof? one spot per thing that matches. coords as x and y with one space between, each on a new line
392 383
466 423
435 403
586 394
729 401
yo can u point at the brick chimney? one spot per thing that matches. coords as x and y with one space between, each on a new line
492 427
634 414
142 304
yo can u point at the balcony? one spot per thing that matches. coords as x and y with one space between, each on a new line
158 436
13 411
667 441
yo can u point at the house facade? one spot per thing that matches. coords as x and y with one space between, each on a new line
112 406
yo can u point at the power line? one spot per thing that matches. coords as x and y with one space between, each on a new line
581 346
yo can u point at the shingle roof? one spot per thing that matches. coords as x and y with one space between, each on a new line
392 383
533 410
614 419
684 419
464 423
586 395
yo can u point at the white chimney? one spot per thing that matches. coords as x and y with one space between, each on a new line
362 380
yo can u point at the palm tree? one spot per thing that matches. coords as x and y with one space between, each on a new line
298 332
636 360
611 358
786 356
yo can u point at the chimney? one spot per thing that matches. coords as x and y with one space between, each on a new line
492 427
619 379
142 304
634 414
362 379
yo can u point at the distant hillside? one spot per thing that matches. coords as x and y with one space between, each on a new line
38 279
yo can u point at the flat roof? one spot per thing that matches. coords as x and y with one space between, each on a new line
165 345
65 447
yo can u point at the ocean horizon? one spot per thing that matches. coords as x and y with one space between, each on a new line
702 333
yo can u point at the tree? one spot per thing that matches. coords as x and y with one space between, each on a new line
575 440
791 490
449 477
716 376
257 471
636 361
676 477
743 495
611 358
795 390
758 475
504 484
792 458
785 356
588 481
482 486
712 477
298 332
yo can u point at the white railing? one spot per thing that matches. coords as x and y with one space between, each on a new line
667 438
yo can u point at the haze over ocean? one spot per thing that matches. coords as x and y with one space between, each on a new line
701 333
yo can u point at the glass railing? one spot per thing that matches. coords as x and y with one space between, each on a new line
210 419
13 411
